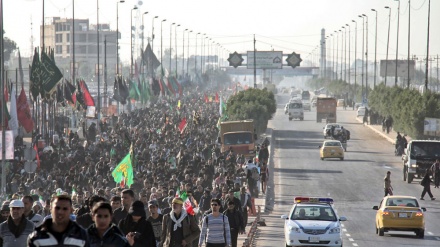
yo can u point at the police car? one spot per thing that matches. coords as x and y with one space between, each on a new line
312 221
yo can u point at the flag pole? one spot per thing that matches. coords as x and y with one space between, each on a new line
2 69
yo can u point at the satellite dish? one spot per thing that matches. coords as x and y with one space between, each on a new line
140 3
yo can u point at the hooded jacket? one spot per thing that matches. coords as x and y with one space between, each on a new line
113 237
143 227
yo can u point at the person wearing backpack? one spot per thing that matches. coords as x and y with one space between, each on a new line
215 228
236 222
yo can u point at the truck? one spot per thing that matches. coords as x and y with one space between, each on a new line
326 109
418 156
239 136
305 95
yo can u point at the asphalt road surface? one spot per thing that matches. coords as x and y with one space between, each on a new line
355 184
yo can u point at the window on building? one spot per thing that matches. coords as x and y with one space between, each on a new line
68 37
68 49
59 49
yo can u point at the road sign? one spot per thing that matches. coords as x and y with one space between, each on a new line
29 153
265 59
30 166
235 59
293 59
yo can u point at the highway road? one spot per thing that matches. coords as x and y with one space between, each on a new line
355 184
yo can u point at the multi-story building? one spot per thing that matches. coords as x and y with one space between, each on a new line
58 34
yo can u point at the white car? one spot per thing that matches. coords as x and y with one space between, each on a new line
329 127
312 221
361 111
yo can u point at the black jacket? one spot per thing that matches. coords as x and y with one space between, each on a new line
426 181
85 220
113 237
76 236
146 237
119 214
235 218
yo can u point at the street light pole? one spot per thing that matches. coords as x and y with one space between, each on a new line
161 42
366 56
152 32
337 53
355 59
375 51
388 44
143 37
99 69
131 41
363 62
349 51
195 57
187 60
345 54
175 44
183 53
427 47
117 38
397 40
409 38
171 45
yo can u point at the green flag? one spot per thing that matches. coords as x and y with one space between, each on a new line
146 91
50 74
134 91
124 171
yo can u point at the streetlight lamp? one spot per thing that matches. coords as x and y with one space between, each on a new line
171 45
355 60
117 37
388 44
363 62
131 40
397 40
375 51
152 32
161 42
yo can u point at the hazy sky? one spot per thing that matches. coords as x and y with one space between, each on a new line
286 25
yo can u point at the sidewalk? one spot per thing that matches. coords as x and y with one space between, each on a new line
390 137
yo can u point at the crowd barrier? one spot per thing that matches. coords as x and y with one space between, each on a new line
250 238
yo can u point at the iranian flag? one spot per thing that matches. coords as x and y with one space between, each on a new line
186 203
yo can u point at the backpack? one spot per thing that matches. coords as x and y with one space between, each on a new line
254 174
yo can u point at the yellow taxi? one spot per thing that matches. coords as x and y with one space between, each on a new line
400 213
331 149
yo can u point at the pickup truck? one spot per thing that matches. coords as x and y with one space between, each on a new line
418 156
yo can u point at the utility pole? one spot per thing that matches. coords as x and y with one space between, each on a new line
427 47
363 62
375 52
349 51
366 57
388 44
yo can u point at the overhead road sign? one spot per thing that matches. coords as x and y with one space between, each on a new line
265 59
235 59
294 60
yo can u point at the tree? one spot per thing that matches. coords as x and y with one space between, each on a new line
9 47
257 104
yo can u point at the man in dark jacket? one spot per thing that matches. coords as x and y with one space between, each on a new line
136 227
59 228
127 198
86 220
230 197
426 183
236 222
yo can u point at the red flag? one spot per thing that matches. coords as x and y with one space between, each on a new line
216 98
38 156
161 87
206 99
182 125
122 184
88 100
24 112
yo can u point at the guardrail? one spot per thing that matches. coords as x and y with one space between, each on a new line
250 239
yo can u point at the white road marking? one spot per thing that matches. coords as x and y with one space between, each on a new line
355 244
430 233
387 167
344 230
351 240
437 238
342 225
348 235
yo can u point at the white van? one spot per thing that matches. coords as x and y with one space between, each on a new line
296 110
361 111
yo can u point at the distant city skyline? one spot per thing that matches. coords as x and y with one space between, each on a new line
286 25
